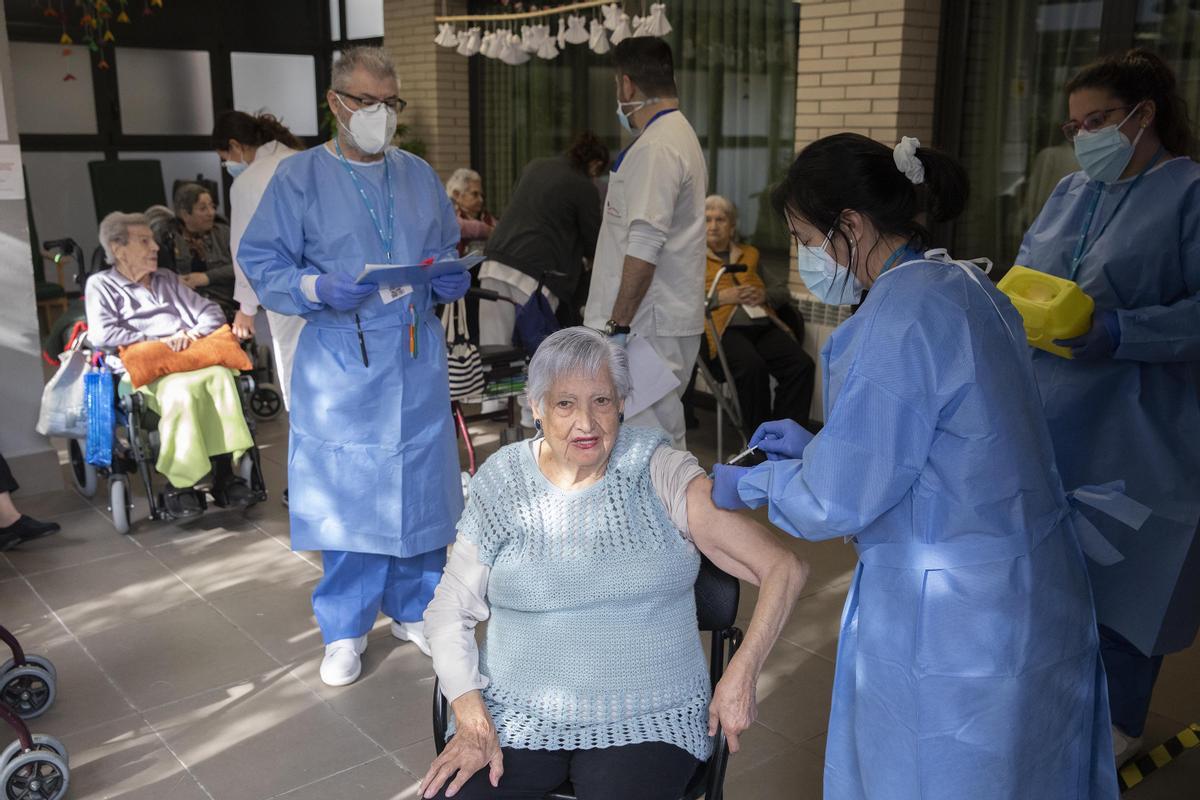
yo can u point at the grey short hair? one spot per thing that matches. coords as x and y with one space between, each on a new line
460 180
114 229
576 351
723 204
187 195
374 60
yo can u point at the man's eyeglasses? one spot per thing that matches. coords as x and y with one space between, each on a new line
1093 121
394 103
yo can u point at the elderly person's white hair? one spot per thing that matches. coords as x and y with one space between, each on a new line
374 60
461 180
724 205
114 229
576 351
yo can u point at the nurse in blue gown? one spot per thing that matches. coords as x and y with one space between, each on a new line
372 460
1127 406
968 664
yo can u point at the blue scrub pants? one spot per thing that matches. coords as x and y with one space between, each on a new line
357 586
1131 678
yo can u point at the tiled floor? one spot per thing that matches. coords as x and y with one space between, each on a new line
188 658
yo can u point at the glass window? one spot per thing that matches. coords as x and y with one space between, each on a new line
164 92
1173 31
61 194
284 85
364 19
1013 107
747 128
335 20
53 88
185 166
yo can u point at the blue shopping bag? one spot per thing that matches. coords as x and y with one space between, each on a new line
535 320
98 399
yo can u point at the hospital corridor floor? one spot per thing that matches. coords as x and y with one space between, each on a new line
187 659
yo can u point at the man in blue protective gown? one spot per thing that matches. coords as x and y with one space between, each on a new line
372 461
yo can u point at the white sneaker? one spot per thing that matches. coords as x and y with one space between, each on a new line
1124 747
343 661
411 632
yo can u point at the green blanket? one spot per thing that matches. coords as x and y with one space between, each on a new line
201 417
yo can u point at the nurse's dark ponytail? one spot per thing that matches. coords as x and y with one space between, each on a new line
253 130
848 171
1142 75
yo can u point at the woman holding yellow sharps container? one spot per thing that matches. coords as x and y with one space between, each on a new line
1126 404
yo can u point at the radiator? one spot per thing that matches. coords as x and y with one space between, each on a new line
819 322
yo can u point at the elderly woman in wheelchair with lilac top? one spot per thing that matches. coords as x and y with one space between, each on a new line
582 546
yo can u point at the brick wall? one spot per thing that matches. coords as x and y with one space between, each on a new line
433 80
868 66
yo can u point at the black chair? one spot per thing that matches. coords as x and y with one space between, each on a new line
717 595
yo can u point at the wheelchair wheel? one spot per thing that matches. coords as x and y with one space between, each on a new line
37 775
30 658
41 743
29 691
266 402
83 474
118 502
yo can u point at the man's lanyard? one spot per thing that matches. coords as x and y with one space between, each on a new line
384 239
1081 248
621 156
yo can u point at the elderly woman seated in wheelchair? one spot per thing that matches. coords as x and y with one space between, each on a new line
582 545
185 380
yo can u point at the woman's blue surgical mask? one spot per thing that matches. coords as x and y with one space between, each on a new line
234 168
830 282
1105 153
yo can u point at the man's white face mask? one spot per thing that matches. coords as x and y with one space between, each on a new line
370 128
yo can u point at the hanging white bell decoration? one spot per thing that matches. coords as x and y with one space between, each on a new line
547 49
446 36
528 41
561 38
622 31
612 13
656 24
487 45
575 33
598 38
469 46
514 53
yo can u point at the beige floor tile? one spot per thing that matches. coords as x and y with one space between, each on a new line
85 536
261 737
759 745
51 505
229 564
816 745
794 691
84 696
278 619
99 595
392 700
380 779
796 776
416 758
124 759
176 654
1177 780
7 570
28 618
1178 686
816 621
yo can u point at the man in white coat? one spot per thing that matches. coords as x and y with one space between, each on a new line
648 273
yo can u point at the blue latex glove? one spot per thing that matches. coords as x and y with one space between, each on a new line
451 286
724 492
339 291
781 439
1098 343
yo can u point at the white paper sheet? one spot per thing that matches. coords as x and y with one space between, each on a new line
12 184
651 377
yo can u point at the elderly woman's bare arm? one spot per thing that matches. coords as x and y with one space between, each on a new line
746 550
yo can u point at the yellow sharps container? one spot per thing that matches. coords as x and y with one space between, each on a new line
1052 308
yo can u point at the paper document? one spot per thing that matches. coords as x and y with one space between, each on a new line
754 312
652 378
410 274
12 181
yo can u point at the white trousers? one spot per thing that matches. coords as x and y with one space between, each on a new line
680 354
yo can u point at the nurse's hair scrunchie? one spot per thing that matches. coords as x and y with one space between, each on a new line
905 156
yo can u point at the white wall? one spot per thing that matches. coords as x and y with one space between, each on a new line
33 461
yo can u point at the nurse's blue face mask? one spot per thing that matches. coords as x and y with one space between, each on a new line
830 282
1104 153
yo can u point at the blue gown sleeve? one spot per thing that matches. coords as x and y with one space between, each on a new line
861 464
271 251
1169 332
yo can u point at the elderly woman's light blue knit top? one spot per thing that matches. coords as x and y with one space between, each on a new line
592 640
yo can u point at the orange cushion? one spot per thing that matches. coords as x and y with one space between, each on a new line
146 362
